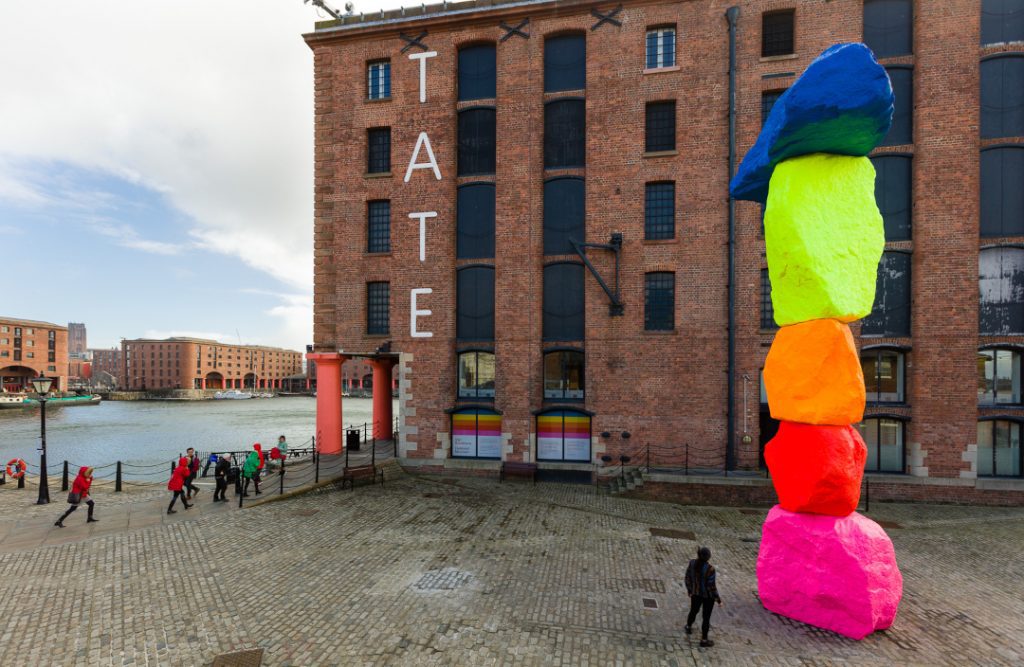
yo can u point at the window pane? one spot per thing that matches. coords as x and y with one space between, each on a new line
1007 378
890 377
1002 97
902 130
565 133
986 376
985 430
467 375
564 215
890 445
565 63
379 80
767 309
1002 197
1007 446
563 436
477 137
777 33
890 315
378 226
659 301
379 150
377 301
475 303
768 100
477 72
661 127
660 211
563 302
893 195
475 221
869 366
553 386
485 375
869 431
1002 21
661 48
1001 283
888 27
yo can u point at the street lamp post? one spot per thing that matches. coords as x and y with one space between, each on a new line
42 386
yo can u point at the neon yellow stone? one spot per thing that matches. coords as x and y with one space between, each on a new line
824 237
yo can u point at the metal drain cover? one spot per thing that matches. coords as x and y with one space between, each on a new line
443 580
650 603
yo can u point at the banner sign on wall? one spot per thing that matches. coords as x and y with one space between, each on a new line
563 435
476 434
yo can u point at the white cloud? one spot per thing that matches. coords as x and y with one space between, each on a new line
126 237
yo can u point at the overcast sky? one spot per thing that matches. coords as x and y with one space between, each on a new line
156 167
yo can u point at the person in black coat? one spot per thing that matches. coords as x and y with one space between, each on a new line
700 584
220 474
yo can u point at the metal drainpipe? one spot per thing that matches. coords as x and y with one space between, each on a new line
731 15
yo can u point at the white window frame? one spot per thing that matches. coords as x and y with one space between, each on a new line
378 94
660 57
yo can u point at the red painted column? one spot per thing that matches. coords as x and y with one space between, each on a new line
382 417
203 385
328 401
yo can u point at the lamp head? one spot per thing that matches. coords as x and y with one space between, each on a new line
42 384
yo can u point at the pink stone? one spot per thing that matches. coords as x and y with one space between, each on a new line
837 573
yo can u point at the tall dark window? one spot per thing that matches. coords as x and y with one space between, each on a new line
474 221
768 100
378 142
1001 282
565 134
477 72
889 27
477 138
565 63
902 130
767 309
661 48
999 377
1002 21
475 303
660 211
893 194
378 299
777 33
890 315
883 375
1002 96
660 301
1002 195
660 127
884 440
999 451
378 219
563 375
476 375
564 215
564 315
378 80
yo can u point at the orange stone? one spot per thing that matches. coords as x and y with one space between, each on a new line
817 469
813 374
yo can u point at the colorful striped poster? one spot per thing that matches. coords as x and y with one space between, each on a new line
476 434
563 436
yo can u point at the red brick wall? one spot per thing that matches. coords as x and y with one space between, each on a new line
170 364
35 343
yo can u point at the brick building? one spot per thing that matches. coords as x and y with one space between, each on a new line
194 363
77 343
557 123
107 367
28 349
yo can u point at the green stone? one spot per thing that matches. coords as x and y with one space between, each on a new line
824 237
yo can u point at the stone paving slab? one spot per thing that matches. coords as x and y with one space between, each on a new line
429 571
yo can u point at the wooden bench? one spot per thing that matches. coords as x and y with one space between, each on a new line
513 468
370 472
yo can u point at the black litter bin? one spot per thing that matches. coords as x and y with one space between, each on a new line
352 438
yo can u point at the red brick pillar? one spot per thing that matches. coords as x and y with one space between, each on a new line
382 413
328 401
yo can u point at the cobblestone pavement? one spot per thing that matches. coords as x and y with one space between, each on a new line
427 571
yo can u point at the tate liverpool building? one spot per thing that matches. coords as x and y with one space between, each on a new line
522 211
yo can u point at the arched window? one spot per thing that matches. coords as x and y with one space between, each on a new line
1001 282
902 130
564 375
565 63
893 194
564 316
998 377
1002 21
1002 96
889 27
565 134
477 72
890 315
884 439
475 303
564 215
883 375
1002 197
999 452
476 434
476 374
563 435
474 221
477 141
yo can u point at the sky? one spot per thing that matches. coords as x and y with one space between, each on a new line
156 167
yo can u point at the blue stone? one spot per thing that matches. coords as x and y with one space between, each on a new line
841 104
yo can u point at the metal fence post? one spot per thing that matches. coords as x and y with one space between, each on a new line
172 467
117 479
346 454
64 478
282 478
648 459
686 461
316 466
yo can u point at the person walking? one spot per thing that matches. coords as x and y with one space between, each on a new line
700 584
220 474
251 470
177 483
80 494
193 470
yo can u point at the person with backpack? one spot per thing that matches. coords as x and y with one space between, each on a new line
220 474
177 483
700 585
79 494
193 470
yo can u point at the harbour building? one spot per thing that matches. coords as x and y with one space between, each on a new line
29 349
196 363
522 214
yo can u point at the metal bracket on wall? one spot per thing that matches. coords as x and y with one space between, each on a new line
606 18
616 307
413 41
518 30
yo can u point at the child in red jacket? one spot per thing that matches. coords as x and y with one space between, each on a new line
79 494
177 483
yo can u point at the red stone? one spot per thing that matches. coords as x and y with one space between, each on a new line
817 469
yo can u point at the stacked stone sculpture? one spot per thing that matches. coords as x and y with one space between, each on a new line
820 561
